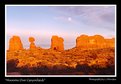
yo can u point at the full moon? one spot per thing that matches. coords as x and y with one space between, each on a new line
69 19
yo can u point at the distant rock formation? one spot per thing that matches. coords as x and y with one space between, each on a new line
32 44
57 43
96 41
15 43
110 42
82 41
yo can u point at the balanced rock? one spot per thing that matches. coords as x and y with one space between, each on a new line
31 39
32 44
57 43
15 43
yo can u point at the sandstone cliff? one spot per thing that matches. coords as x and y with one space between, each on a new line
96 41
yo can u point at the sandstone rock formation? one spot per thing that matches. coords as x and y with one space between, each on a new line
110 42
76 61
15 43
32 44
82 41
96 41
57 43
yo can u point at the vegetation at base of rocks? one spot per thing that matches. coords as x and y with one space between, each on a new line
83 69
72 61
12 65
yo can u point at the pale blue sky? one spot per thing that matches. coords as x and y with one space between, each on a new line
68 22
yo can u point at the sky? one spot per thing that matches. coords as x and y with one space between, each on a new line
68 22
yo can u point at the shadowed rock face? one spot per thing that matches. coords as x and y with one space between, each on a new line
57 43
15 43
96 41
32 44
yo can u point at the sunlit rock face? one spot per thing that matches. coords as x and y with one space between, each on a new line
31 39
15 43
32 44
82 41
89 57
110 42
96 41
57 43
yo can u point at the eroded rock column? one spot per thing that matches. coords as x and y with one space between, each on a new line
57 43
15 43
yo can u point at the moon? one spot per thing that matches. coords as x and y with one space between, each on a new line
69 18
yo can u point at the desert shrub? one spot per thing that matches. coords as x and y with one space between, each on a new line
60 67
95 66
70 69
16 53
84 68
103 70
12 65
24 70
111 69
93 55
40 70
111 61
45 53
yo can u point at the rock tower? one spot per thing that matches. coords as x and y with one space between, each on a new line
57 43
15 43
32 44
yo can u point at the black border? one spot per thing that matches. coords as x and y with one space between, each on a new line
56 79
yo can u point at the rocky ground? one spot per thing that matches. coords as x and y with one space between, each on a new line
73 61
